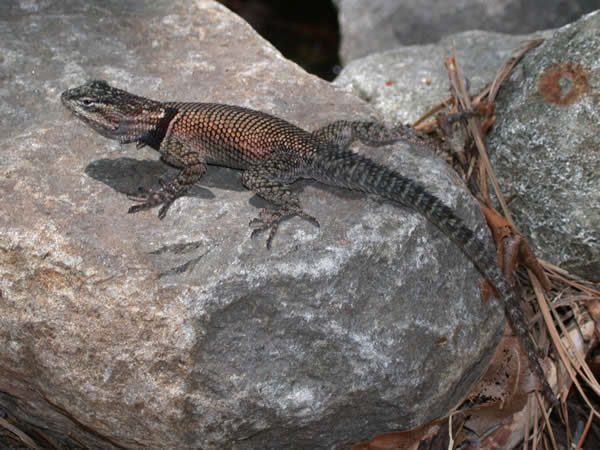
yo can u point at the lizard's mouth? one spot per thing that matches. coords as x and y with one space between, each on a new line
106 129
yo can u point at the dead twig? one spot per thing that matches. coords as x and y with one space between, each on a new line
25 439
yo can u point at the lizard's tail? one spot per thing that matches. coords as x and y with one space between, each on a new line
351 170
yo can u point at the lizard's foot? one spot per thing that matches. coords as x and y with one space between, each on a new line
269 219
148 199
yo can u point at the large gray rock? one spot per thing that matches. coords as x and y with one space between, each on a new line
376 25
125 330
545 146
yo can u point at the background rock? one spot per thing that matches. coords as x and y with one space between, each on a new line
125 330
544 143
378 25
545 146
404 83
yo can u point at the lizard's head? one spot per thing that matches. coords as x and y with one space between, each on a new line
113 113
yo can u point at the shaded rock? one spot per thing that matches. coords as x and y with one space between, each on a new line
125 330
378 25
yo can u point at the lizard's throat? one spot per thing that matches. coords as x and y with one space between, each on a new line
125 132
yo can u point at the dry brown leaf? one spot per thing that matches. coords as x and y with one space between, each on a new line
432 436
593 308
507 382
497 406
406 440
446 438
487 290
512 248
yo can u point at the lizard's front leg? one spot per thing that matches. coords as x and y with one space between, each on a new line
193 167
270 180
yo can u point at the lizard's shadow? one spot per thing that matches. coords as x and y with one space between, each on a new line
126 175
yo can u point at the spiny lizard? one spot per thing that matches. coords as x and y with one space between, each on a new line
273 154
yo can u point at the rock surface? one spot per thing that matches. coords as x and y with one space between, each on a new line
402 84
545 146
373 26
123 330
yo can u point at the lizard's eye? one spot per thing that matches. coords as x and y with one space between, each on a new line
87 102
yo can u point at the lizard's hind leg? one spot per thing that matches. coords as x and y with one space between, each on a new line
342 133
270 180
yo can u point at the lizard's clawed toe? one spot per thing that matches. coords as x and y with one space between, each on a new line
309 218
136 208
140 195
149 199
269 219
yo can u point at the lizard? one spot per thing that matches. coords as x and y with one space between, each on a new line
273 153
